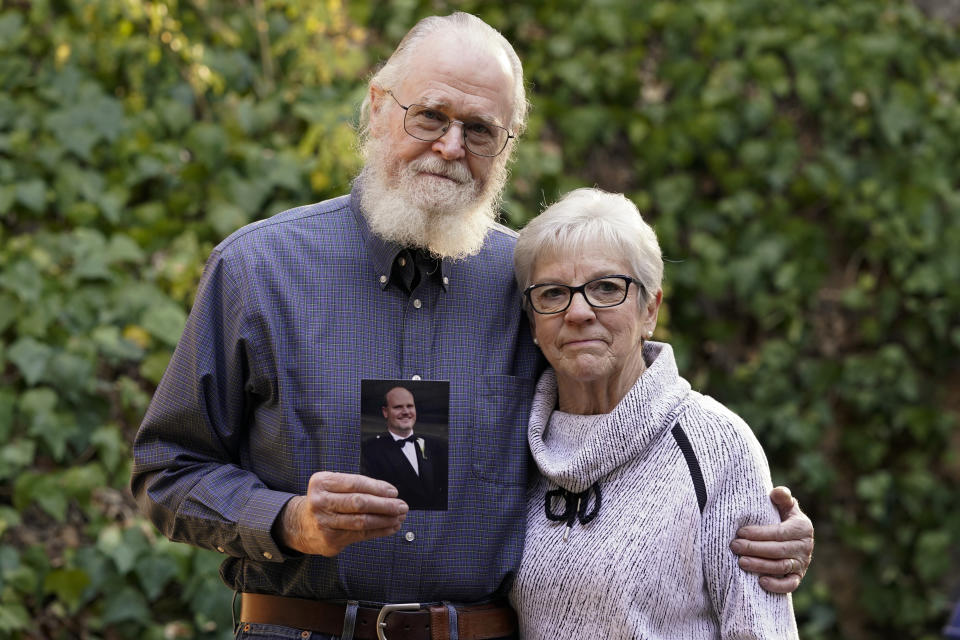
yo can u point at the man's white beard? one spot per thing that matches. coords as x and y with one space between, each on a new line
450 218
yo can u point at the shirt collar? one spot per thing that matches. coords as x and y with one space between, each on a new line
382 252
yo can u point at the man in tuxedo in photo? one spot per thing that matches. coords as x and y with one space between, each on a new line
415 464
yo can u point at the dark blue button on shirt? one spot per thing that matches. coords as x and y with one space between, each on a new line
263 390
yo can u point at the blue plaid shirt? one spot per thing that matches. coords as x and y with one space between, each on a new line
263 390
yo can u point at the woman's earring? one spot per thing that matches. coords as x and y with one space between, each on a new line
649 334
536 342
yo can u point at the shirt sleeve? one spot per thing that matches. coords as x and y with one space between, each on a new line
740 497
186 475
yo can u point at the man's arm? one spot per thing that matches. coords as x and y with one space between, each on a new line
780 553
187 476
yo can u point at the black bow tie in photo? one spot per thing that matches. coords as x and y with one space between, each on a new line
404 441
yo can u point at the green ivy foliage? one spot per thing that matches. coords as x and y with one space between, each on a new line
799 161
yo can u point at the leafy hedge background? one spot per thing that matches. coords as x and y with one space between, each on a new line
800 161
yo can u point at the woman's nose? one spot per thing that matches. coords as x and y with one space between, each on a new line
579 309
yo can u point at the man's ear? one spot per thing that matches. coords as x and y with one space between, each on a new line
383 410
376 95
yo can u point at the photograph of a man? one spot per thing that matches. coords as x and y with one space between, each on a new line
413 461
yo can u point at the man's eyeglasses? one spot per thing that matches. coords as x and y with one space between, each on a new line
600 293
480 138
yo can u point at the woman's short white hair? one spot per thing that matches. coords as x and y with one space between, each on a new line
591 220
473 30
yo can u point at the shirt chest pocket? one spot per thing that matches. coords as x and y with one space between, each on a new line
499 432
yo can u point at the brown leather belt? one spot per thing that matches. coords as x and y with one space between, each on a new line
474 622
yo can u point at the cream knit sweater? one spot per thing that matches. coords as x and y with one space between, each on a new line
649 565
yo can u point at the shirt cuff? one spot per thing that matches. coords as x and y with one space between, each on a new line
261 512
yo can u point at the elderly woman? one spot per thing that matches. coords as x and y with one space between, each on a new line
643 481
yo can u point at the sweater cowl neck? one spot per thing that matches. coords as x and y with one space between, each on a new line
609 440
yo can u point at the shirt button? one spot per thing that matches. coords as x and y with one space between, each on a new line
410 536
446 280
383 279
268 555
220 549
417 304
415 377
403 262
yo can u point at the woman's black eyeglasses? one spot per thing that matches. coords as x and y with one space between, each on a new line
600 293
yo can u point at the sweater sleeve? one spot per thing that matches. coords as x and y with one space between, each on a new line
738 487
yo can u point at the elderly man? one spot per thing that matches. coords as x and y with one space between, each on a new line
252 442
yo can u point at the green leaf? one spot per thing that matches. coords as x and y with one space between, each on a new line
43 490
9 559
15 456
23 279
32 194
89 253
725 83
12 32
155 365
8 402
204 589
111 203
672 194
8 194
53 429
112 448
38 402
67 585
164 321
8 311
123 248
14 617
175 114
932 547
126 604
808 89
31 358
69 372
208 142
92 117
153 573
123 546
113 345
226 218
80 482
900 113
98 567
9 517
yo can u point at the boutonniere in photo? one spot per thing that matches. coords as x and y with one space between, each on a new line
423 447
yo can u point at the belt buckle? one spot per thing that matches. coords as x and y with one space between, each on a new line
386 610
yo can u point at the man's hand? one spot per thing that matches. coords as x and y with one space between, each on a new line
339 509
782 552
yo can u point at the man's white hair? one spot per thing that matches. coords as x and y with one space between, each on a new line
471 30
